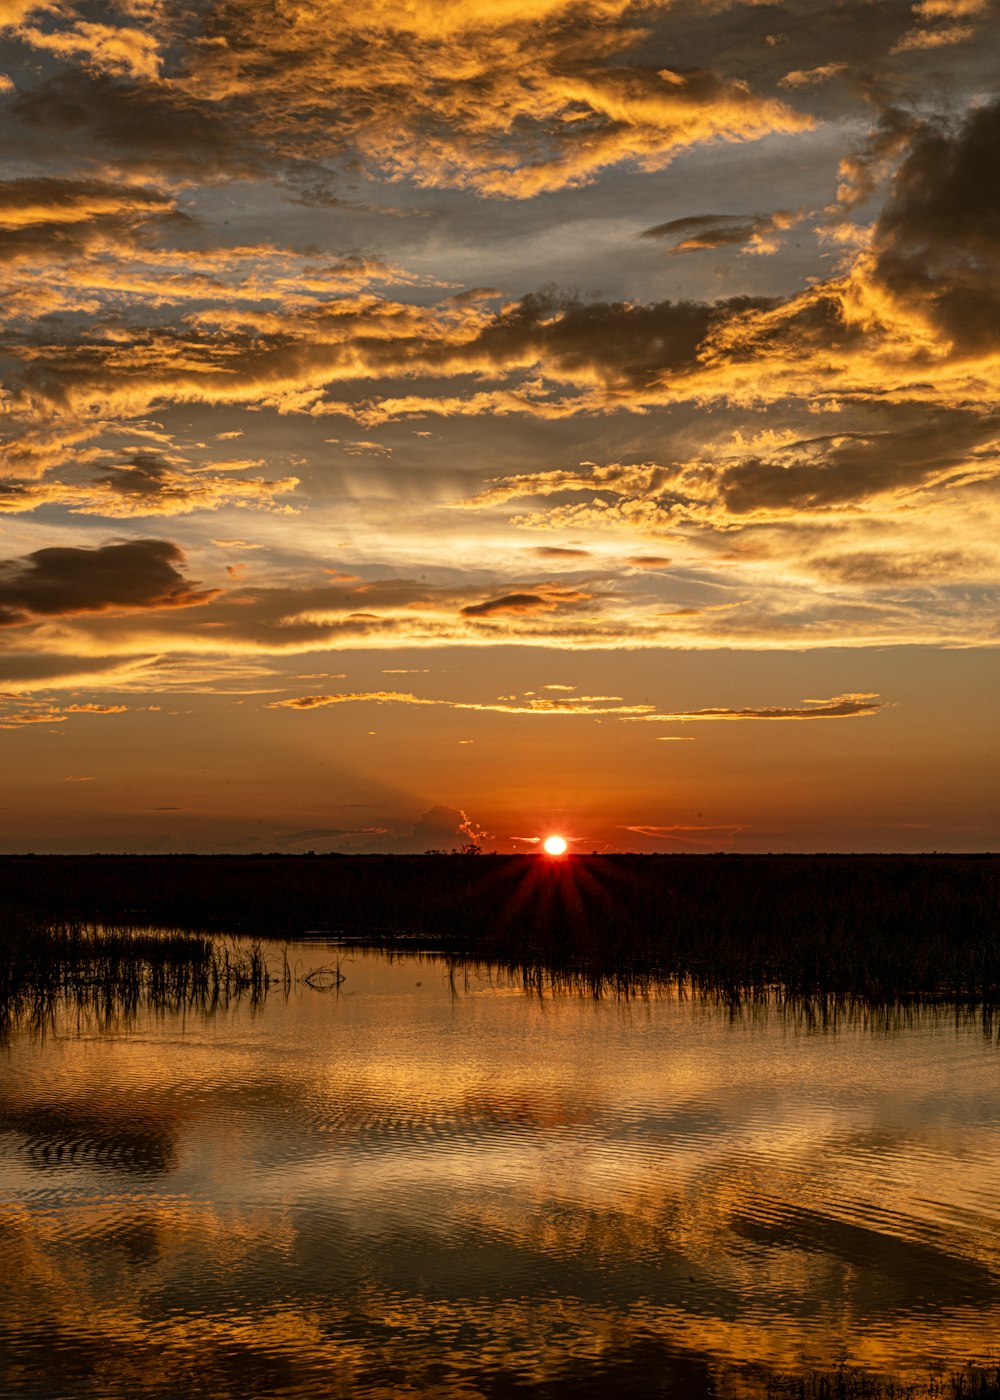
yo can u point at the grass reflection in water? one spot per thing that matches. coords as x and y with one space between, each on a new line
115 973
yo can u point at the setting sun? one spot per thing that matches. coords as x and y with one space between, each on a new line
555 845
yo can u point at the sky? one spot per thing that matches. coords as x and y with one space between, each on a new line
433 423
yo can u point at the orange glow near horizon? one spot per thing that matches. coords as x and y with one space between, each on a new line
555 845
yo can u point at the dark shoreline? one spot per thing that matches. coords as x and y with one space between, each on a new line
885 928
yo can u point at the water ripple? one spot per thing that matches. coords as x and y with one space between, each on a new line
413 1188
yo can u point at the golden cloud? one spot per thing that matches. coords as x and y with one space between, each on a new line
582 705
508 100
120 50
839 707
880 331
150 486
48 712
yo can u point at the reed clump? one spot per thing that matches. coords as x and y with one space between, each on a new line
118 970
972 1383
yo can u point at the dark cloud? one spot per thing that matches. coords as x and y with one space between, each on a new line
38 670
60 581
152 128
509 603
145 475
632 345
937 239
835 470
444 825
544 597
696 232
58 199
61 220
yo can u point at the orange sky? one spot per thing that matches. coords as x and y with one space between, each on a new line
433 420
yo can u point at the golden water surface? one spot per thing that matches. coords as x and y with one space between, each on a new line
441 1185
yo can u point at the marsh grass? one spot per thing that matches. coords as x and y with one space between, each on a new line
884 929
973 1383
117 972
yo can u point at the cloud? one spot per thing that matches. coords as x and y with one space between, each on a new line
149 485
907 501
328 833
805 77
935 38
139 574
697 232
755 593
865 328
864 569
152 129
119 50
514 101
546 599
839 707
282 329
935 246
46 711
47 201
589 705
939 12
17 719
439 828
510 603
691 835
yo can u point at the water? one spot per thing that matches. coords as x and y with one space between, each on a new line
417 1185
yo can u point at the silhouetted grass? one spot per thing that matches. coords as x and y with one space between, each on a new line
116 972
884 929
974 1383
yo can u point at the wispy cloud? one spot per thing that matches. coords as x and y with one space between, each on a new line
839 707
45 711
678 833
582 705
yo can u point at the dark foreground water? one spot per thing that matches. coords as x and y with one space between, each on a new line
419 1185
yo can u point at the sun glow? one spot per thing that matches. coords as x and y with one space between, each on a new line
555 845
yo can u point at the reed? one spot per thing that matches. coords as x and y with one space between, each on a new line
973 1383
118 971
884 929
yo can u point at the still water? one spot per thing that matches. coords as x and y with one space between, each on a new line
417 1184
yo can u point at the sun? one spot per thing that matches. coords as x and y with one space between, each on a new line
555 845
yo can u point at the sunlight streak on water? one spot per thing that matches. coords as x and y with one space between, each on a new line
453 1188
